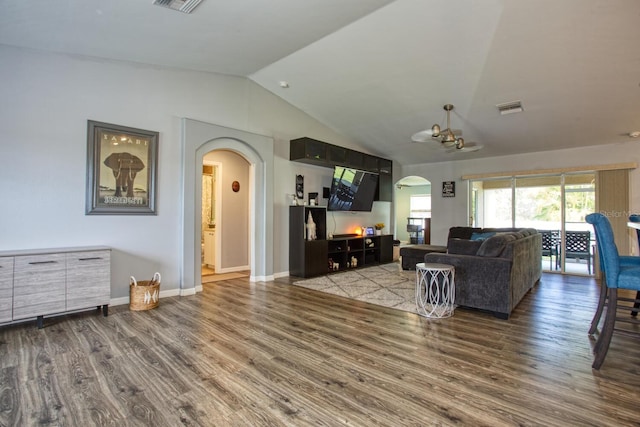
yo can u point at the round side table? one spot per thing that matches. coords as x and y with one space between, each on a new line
435 290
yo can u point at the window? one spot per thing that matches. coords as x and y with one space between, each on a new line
420 206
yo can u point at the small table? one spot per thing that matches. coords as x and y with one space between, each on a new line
435 290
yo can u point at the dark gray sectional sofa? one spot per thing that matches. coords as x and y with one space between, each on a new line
493 273
413 254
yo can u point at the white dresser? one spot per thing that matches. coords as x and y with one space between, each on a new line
43 282
6 289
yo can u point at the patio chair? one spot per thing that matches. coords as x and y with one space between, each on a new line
578 246
617 275
550 241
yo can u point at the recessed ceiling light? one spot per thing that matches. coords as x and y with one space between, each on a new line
284 85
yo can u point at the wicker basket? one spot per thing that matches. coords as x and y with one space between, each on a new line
144 295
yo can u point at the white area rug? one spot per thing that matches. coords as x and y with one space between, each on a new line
386 285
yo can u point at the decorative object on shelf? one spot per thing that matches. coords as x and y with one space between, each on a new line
354 261
448 189
369 243
235 186
294 200
121 170
311 228
369 231
313 199
448 138
300 186
379 226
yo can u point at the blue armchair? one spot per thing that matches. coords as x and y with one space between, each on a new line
636 305
620 272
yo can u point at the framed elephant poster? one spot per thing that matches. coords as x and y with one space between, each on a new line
121 170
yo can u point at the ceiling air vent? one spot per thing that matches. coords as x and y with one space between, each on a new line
185 6
510 107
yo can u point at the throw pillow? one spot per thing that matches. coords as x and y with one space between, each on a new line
482 236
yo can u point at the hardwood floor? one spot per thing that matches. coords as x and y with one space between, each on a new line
273 354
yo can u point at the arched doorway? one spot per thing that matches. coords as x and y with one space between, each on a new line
227 211
412 199
199 138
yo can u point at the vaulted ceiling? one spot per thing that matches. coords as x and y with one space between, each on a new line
378 71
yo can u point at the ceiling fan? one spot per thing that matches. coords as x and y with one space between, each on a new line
448 138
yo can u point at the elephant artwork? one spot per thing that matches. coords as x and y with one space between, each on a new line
125 167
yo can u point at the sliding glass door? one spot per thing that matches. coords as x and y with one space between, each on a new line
578 245
553 204
538 204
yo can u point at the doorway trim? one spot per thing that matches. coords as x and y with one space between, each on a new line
199 138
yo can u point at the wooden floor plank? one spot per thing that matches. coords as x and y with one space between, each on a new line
274 354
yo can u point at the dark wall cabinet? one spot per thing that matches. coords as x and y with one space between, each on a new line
318 153
308 258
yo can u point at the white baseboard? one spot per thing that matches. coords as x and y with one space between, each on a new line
232 269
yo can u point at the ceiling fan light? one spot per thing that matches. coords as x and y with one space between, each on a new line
435 130
460 143
448 142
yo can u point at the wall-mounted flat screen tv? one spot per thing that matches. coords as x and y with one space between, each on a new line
352 190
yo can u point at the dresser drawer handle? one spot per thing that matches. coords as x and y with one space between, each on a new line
89 259
43 262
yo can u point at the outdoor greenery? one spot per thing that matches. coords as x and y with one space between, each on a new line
537 206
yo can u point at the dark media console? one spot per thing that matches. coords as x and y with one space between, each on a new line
308 258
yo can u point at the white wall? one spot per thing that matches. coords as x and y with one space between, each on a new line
450 211
46 100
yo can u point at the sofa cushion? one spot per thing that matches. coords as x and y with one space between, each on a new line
463 246
462 232
494 245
